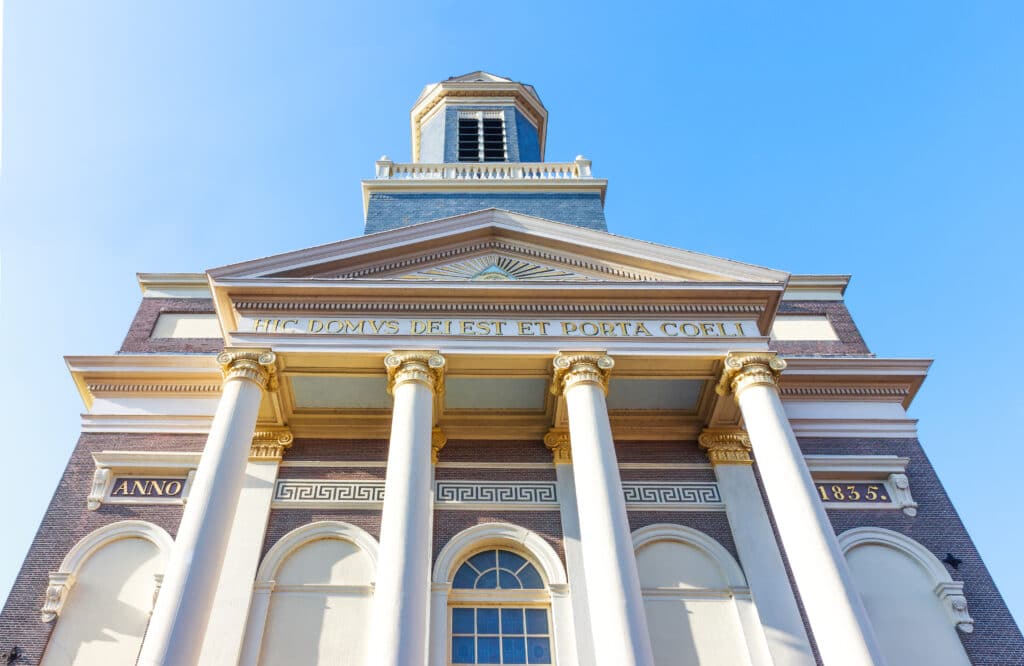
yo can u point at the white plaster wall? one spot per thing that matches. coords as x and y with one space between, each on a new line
690 616
105 616
319 610
910 622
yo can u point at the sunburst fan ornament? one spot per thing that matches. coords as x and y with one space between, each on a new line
494 267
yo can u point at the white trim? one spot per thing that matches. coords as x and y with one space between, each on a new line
300 536
498 534
63 580
949 592
856 465
856 428
691 537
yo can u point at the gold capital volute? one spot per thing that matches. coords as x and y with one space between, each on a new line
581 368
270 443
256 365
746 369
726 447
437 441
426 367
558 441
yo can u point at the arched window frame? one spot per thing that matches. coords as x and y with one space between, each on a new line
62 580
948 591
528 544
276 556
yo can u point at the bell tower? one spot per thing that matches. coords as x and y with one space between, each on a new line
478 143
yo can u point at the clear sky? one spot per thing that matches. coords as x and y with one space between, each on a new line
879 139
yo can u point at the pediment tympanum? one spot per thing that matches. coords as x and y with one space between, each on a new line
495 245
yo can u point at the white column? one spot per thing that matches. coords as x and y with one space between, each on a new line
835 611
399 621
178 625
225 631
558 441
617 617
784 635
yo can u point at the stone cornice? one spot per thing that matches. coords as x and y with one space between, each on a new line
321 305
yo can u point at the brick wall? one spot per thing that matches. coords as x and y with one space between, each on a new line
66 521
850 342
392 211
138 340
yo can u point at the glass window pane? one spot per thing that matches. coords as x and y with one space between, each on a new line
536 621
462 621
488 581
508 581
512 621
487 620
464 578
514 650
530 579
539 650
462 650
485 560
488 651
510 561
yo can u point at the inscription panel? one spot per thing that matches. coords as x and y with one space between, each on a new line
147 487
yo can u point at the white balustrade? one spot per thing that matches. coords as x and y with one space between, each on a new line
388 170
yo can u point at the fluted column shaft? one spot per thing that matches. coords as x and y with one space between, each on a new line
617 617
402 590
835 611
179 621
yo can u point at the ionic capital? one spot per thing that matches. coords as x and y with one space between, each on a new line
256 365
581 368
726 447
746 369
437 441
426 367
270 443
557 440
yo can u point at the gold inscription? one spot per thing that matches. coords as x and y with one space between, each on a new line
147 487
837 491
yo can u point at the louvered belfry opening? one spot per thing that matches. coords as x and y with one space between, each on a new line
482 139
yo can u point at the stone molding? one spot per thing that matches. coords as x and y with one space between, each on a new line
726 447
114 464
558 442
745 369
321 305
426 367
579 368
256 365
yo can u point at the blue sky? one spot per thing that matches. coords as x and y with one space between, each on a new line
878 139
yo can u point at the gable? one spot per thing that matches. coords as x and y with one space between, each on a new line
495 245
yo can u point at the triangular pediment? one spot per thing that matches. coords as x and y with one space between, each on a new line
497 246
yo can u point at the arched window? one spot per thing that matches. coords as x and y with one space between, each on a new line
500 611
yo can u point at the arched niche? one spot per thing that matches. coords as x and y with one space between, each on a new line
914 605
312 595
102 595
696 598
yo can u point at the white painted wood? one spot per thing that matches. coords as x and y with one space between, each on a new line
840 624
179 621
226 629
574 563
400 605
616 606
783 628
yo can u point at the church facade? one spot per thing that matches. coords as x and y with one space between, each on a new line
489 431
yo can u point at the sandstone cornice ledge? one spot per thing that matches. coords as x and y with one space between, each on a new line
161 375
853 379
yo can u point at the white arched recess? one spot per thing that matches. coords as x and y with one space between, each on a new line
103 594
914 605
529 544
699 608
311 600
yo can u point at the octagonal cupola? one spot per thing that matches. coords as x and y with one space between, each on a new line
478 117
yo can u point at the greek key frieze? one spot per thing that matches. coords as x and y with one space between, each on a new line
319 491
654 492
502 492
